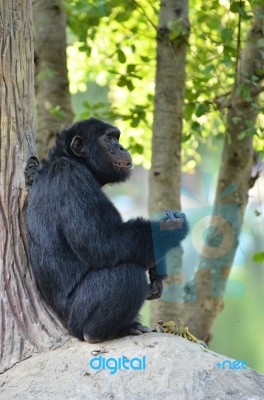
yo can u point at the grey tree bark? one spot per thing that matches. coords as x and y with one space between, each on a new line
54 110
205 293
26 325
164 185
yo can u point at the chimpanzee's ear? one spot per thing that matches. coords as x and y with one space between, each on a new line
77 146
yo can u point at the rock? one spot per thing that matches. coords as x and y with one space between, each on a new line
175 369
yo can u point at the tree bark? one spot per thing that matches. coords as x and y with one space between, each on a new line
26 325
54 110
172 35
205 293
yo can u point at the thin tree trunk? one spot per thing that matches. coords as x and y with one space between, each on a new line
25 323
54 110
205 293
172 35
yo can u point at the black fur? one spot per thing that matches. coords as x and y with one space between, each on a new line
89 265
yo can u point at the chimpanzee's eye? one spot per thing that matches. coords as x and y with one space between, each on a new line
112 137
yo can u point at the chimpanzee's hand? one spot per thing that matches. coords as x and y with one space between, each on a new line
155 286
155 289
166 234
174 220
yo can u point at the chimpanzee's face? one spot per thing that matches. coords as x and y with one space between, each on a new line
97 144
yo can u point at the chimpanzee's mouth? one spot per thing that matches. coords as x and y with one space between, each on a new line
124 164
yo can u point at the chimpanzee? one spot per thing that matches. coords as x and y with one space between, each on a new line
88 263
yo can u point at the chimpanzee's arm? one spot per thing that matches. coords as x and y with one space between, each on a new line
173 228
100 244
98 236
94 229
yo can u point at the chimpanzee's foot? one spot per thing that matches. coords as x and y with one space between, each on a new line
136 329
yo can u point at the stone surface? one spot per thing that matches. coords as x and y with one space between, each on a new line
175 370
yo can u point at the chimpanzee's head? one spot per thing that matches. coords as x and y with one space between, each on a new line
96 144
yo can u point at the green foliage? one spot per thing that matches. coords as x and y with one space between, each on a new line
177 29
121 56
57 112
238 7
98 110
119 49
112 44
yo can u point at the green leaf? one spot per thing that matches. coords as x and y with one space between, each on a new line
122 16
150 97
188 111
243 14
99 105
57 112
135 122
191 95
121 56
174 35
131 68
196 126
130 85
259 257
219 136
145 58
230 50
177 29
138 148
122 81
202 109
235 5
186 137
227 34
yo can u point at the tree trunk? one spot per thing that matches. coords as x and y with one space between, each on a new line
172 35
26 325
205 293
54 110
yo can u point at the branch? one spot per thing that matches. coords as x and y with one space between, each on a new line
144 12
238 43
224 101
